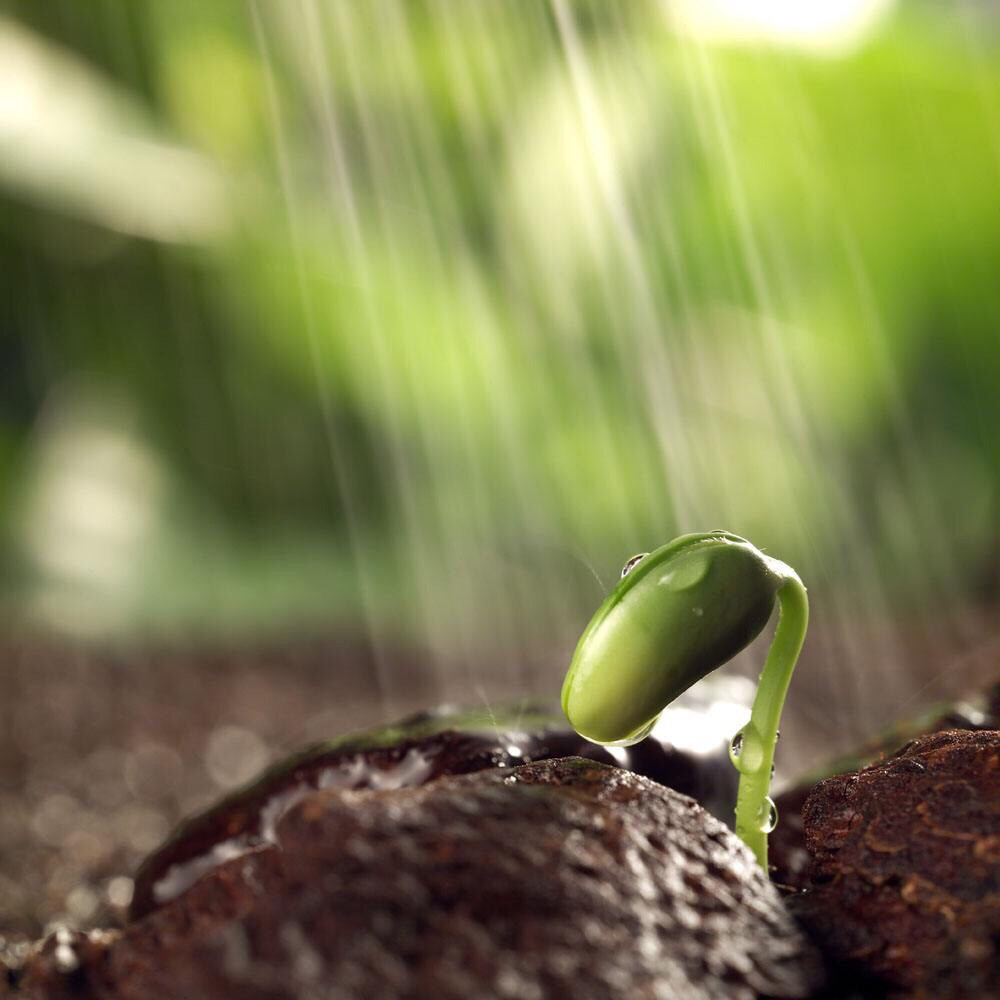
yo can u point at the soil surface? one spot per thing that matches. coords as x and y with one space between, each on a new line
904 874
789 856
102 752
562 878
413 752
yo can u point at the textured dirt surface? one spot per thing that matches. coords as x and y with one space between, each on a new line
904 877
563 878
413 752
788 856
103 751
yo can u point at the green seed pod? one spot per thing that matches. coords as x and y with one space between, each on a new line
682 611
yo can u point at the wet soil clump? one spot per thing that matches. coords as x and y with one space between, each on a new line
789 857
904 874
413 752
559 878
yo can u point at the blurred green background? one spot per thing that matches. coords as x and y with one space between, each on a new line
416 319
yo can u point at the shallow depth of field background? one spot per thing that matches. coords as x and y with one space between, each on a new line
377 335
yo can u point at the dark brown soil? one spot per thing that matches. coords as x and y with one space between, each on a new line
904 877
789 858
563 878
102 752
411 753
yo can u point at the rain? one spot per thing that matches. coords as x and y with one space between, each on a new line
348 351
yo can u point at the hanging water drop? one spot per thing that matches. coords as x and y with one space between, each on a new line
631 564
736 748
746 750
767 816
636 737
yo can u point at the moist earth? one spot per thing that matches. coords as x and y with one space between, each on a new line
560 878
418 750
903 882
892 870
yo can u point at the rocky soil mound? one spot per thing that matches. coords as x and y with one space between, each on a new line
903 882
560 878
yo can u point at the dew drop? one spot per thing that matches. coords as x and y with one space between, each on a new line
632 563
767 815
636 737
746 750
686 572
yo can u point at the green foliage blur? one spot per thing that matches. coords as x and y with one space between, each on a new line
416 316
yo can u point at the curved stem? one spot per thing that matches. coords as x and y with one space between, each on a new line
761 732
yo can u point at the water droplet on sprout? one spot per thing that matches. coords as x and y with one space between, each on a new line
767 816
631 564
687 571
746 750
636 737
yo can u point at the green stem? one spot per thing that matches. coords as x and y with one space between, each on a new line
761 732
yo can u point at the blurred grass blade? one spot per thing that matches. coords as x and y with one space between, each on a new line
72 141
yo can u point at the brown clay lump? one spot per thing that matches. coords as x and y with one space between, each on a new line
553 879
413 752
904 878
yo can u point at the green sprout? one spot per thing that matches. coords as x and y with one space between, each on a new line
675 615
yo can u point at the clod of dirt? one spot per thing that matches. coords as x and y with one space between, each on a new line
410 753
904 878
554 879
788 855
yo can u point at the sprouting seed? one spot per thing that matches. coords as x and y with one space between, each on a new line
677 614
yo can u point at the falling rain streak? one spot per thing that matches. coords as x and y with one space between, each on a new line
460 303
